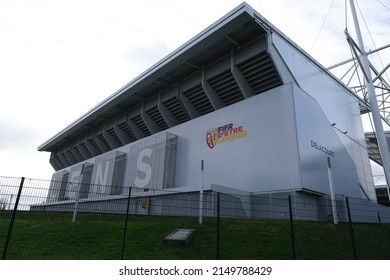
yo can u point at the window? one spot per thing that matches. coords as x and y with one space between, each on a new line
86 181
64 183
117 177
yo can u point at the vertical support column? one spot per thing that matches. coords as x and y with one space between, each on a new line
135 130
187 106
152 126
382 143
63 159
110 140
168 117
211 94
91 148
74 150
83 151
242 83
101 145
125 139
55 162
69 156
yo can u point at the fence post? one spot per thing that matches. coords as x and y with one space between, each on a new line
126 220
218 224
201 193
76 203
351 229
11 225
292 228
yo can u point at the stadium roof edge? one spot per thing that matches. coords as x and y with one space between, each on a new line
242 12
239 15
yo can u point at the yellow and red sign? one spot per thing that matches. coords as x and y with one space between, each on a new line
223 134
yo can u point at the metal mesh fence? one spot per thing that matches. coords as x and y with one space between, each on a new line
58 220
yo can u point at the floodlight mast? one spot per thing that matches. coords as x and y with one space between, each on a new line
380 135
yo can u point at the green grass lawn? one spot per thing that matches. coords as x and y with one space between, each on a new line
43 235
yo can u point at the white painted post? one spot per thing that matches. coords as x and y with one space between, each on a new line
76 204
332 196
201 193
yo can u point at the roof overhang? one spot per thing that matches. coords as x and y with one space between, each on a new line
185 56
239 25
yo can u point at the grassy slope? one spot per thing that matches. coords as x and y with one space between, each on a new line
94 236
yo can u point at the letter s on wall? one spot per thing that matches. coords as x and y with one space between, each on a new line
144 168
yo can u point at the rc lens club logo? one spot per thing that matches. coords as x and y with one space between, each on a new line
223 134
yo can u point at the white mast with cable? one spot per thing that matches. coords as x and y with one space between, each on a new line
365 65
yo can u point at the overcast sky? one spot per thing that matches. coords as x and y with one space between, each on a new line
60 58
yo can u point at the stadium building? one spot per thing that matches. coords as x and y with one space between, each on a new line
239 109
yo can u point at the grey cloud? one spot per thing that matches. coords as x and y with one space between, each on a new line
15 134
143 57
